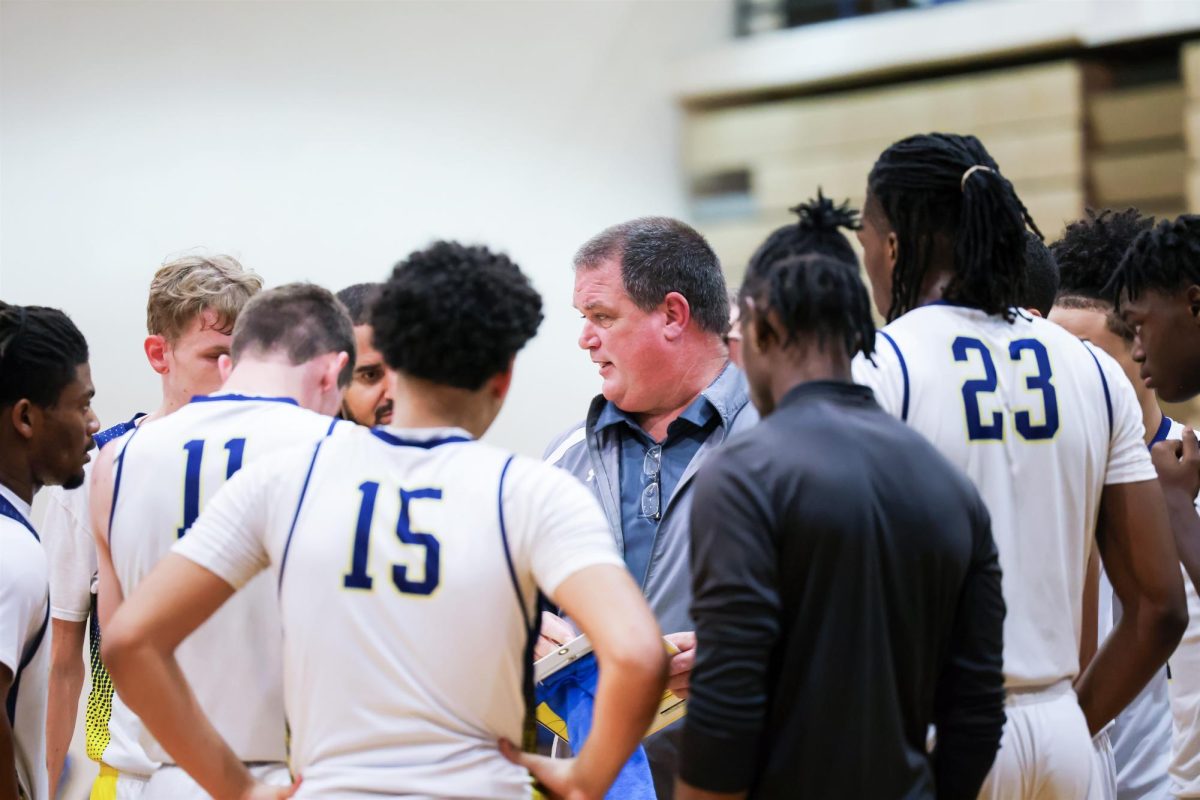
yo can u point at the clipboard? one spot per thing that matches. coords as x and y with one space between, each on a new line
670 709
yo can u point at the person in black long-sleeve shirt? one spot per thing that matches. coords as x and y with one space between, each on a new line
847 587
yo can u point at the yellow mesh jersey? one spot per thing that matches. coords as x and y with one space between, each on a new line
100 699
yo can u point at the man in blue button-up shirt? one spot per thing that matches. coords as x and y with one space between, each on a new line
655 314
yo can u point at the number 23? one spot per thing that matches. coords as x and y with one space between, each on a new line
977 429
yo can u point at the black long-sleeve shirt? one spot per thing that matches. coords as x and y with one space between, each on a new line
847 595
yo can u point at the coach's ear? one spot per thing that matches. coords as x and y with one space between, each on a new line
156 353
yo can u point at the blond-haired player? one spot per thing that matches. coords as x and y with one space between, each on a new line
293 348
192 306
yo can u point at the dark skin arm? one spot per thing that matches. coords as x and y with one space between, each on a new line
66 686
1139 557
8 755
1089 631
685 791
1178 466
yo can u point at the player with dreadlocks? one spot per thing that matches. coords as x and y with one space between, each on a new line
818 231
771 556
1048 429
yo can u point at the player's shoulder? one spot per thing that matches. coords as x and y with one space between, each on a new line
22 558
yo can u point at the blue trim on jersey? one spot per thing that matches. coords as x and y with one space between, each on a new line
512 570
287 545
241 398
1164 428
112 511
332 426
903 373
7 509
1104 382
116 431
532 624
10 705
427 444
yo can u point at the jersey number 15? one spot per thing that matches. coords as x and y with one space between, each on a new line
359 578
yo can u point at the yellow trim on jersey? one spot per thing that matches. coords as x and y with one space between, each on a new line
105 785
100 698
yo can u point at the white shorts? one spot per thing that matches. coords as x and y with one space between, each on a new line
1045 752
170 782
1104 781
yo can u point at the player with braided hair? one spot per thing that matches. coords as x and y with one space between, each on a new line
771 556
1049 430
818 231
46 428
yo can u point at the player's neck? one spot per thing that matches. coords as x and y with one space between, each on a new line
933 288
812 365
15 471
422 404
261 378
1152 415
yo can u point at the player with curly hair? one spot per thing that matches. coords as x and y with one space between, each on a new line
1136 750
393 538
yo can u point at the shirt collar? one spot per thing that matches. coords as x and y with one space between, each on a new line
699 412
426 438
19 504
722 398
838 391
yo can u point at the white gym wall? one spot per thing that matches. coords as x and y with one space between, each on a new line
324 141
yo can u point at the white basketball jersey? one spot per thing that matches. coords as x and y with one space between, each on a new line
408 563
25 641
164 475
1041 422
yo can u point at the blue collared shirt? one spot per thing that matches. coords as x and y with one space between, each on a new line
684 437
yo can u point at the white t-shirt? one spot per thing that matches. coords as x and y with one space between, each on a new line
112 732
397 554
1141 733
1184 690
164 474
1041 422
25 642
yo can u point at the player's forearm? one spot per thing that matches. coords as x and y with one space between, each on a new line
152 685
1137 648
1185 527
8 760
628 692
66 685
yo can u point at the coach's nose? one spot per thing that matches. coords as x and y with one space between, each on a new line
589 339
